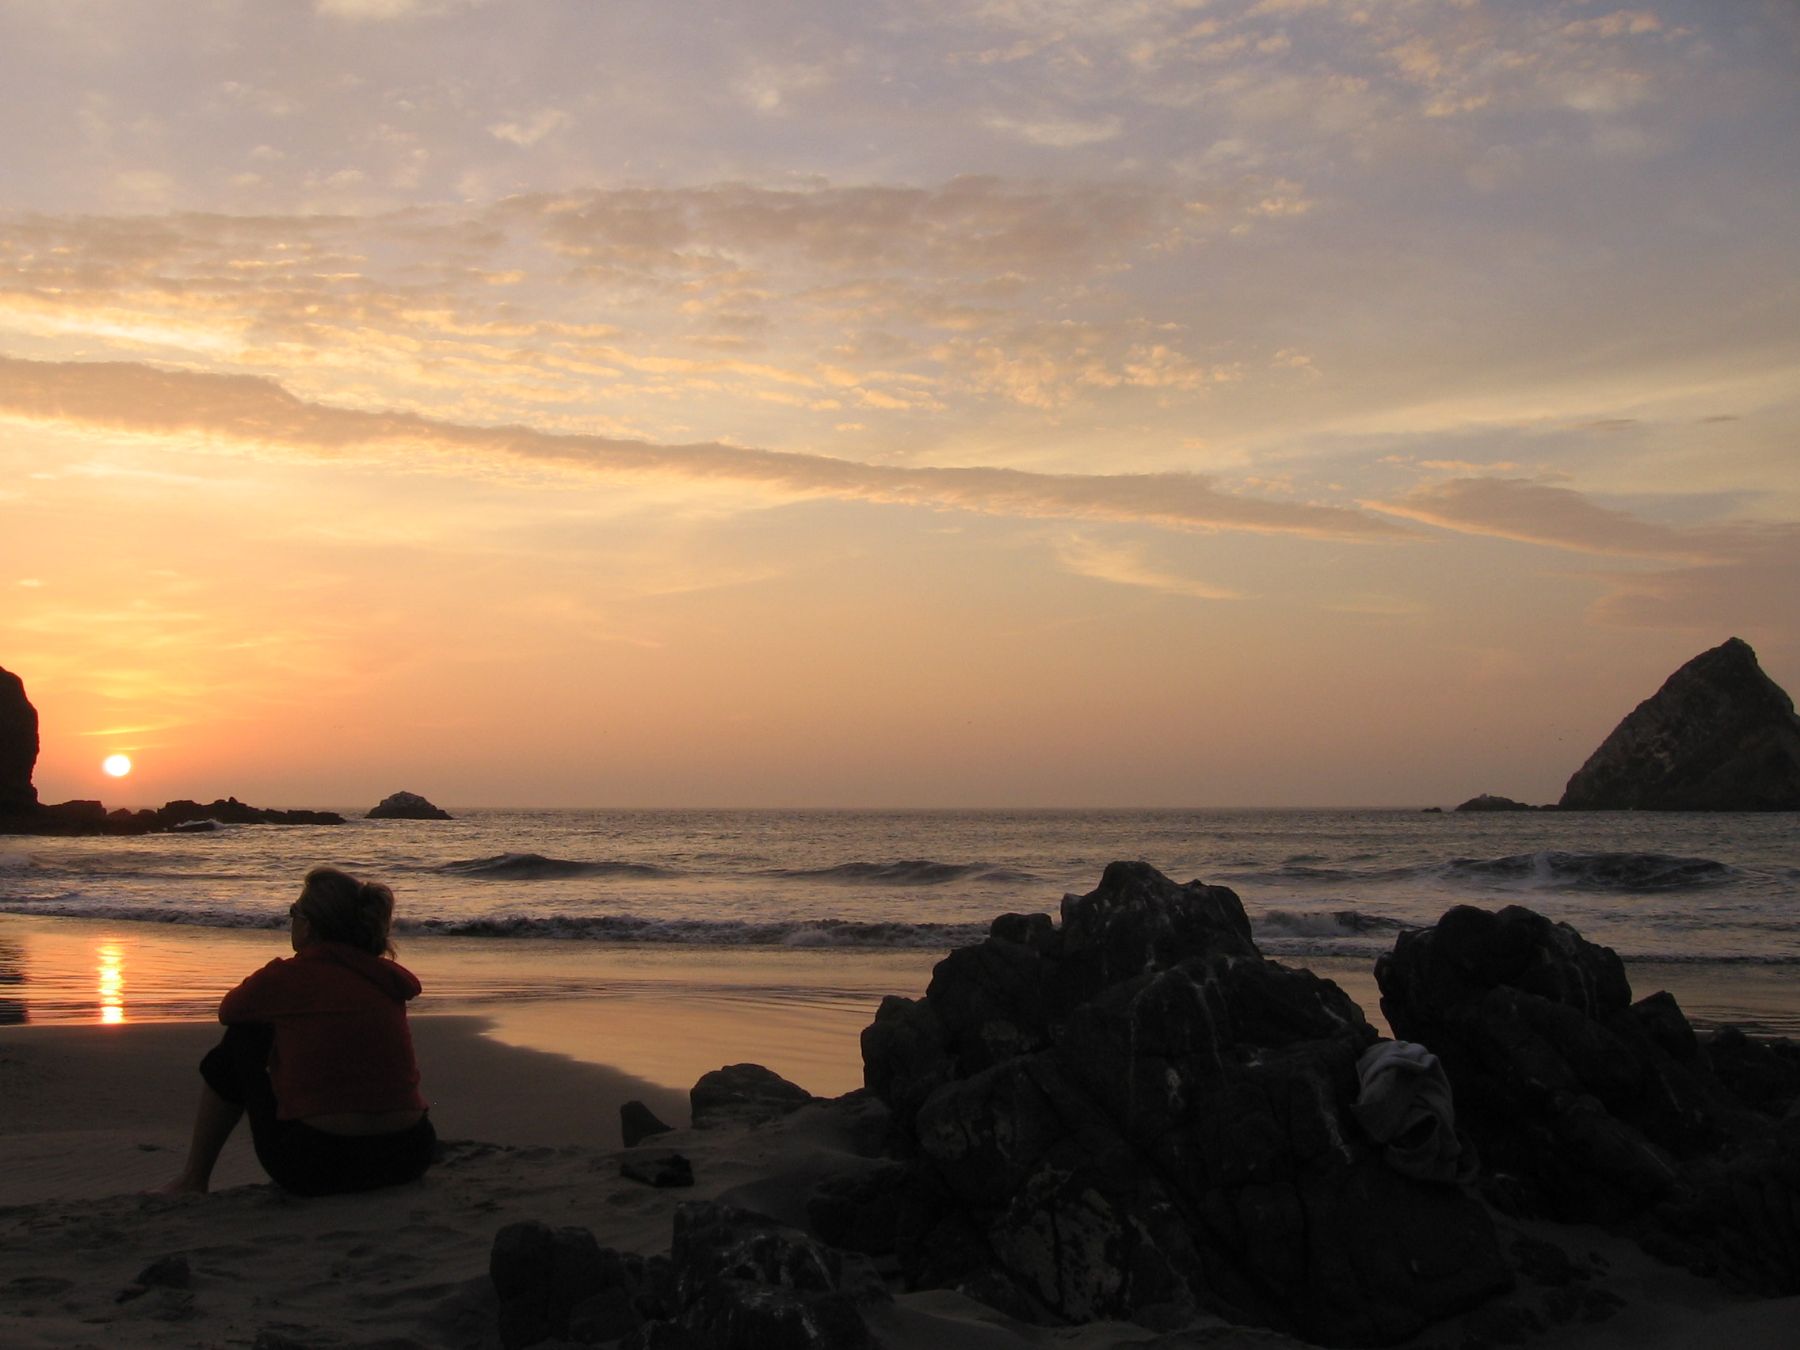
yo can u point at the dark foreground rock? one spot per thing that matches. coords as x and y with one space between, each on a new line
1135 1115
407 806
1589 1107
1719 735
732 1278
743 1094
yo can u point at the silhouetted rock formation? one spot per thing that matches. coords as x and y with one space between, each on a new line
83 817
1487 801
1720 735
1587 1107
638 1122
1137 1116
18 746
407 806
22 813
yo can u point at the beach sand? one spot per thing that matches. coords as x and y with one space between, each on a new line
92 1114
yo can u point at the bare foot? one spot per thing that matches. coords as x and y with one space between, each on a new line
181 1185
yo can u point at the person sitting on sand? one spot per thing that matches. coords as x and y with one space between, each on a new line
317 1051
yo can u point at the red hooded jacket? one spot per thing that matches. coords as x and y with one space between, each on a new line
341 1038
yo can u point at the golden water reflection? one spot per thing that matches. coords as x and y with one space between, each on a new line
112 983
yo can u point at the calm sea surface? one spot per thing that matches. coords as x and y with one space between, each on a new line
539 905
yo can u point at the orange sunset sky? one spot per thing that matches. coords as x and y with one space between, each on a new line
1010 402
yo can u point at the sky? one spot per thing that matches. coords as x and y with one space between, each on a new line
908 403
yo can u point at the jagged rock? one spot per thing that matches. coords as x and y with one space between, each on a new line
18 746
638 1122
859 1211
1719 735
744 1094
1588 1107
733 1278
1137 1116
1764 1075
541 1275
407 806
170 1272
748 1283
85 817
230 811
658 1169
1487 801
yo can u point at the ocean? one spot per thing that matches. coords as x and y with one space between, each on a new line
729 925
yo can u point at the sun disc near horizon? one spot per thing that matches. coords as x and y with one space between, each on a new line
117 765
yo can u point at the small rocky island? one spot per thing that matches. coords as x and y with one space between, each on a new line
1488 801
22 813
407 806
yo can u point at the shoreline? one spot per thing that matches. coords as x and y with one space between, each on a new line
663 1014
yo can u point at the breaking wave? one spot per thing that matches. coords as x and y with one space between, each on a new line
1551 869
536 867
909 872
629 928
1323 923
617 928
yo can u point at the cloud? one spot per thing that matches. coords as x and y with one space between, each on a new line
527 132
381 11
1057 132
900 300
1537 513
232 410
1125 565
1750 592
1731 576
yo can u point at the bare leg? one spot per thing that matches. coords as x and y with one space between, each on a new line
214 1120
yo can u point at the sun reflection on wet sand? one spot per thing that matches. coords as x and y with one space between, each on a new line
112 983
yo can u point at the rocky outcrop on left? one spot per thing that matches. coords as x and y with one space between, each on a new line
22 813
1135 1115
1719 735
407 806
18 746
1589 1107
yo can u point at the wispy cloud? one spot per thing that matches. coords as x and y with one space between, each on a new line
1739 576
528 131
1558 517
240 410
1127 565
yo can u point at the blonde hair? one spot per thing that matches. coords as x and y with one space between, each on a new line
342 909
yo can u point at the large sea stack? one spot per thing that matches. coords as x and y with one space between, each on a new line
18 746
1720 735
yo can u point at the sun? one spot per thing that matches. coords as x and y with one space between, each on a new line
117 765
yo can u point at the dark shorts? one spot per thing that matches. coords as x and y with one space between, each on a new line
297 1157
